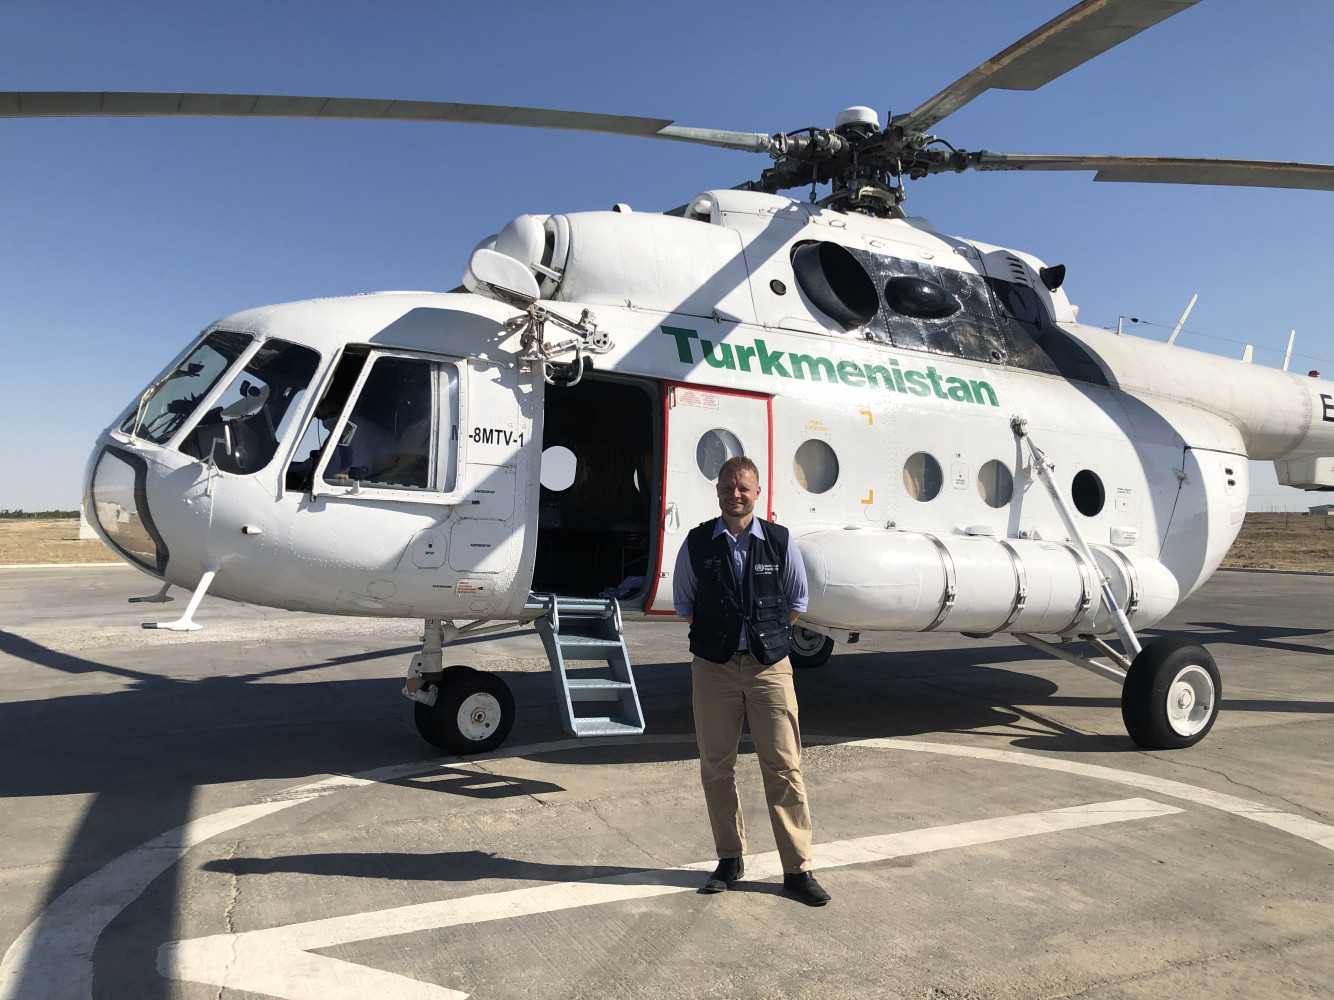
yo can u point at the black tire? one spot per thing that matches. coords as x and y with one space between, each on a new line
810 649
490 712
424 715
1171 695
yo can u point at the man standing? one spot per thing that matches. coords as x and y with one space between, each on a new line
740 583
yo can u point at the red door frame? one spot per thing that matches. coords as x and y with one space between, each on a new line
669 389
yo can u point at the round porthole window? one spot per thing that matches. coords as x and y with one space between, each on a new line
816 466
922 477
995 484
1087 492
558 468
715 448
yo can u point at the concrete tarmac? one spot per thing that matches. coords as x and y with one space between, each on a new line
248 811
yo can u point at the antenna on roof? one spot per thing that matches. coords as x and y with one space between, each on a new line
1288 357
1182 321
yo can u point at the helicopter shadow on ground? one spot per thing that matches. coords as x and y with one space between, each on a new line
141 752
1264 636
865 694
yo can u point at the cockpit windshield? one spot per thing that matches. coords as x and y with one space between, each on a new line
241 431
169 402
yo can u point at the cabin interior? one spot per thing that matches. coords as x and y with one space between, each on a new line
601 488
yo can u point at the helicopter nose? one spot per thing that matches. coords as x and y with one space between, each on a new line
116 495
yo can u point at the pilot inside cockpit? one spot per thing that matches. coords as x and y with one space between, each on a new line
363 449
363 446
387 439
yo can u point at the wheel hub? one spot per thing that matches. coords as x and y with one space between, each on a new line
805 640
478 716
1190 699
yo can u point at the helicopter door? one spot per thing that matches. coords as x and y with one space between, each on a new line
704 428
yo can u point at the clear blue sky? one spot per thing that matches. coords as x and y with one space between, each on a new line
121 238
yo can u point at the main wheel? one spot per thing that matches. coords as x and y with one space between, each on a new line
810 649
473 712
1171 695
424 715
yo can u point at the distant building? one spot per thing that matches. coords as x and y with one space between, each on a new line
1324 508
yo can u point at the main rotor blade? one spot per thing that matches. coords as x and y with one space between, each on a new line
62 104
1169 170
1066 41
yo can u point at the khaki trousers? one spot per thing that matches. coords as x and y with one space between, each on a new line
725 694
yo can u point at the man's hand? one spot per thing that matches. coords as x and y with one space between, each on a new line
792 617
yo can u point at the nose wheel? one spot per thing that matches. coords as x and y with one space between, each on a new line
473 712
1171 694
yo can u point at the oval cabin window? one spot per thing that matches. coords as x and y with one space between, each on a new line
815 466
1087 492
995 484
559 466
715 447
922 477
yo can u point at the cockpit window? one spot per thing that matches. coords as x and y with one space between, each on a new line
240 433
169 402
398 431
389 437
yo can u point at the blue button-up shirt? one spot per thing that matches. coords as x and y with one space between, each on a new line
793 579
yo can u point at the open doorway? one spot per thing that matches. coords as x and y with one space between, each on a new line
600 492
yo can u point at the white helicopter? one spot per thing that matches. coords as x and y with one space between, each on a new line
951 448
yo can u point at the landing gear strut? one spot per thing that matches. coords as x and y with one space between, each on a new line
1170 690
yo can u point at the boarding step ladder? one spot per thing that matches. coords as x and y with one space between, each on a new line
586 630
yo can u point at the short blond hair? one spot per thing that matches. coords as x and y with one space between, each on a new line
738 464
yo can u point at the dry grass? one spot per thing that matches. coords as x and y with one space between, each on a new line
1267 541
1301 542
34 540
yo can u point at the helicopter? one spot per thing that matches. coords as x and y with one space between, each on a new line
951 448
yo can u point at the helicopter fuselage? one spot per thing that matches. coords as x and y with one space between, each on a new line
883 423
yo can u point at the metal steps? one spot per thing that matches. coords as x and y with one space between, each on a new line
584 631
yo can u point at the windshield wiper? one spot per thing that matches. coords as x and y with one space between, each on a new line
190 369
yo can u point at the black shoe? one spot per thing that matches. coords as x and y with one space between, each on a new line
805 888
729 870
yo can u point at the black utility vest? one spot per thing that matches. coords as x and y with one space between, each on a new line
722 607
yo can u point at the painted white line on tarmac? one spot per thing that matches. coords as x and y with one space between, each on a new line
52 958
278 962
1298 826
